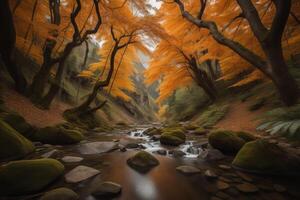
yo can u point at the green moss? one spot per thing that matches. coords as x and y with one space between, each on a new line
58 135
174 137
12 144
28 176
18 123
212 115
247 137
179 130
199 131
152 131
226 141
190 127
122 124
142 161
264 157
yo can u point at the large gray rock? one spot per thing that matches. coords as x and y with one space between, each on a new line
80 173
97 147
211 154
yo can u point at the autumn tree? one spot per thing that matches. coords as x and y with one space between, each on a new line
79 36
124 40
118 45
181 65
7 46
269 35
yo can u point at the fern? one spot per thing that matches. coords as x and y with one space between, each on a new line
282 121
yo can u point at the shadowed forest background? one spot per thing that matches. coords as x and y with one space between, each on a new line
98 98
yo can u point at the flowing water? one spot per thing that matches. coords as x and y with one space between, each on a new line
190 148
163 182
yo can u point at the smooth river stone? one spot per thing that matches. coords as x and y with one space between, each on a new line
71 159
97 147
80 173
247 188
49 154
188 169
107 189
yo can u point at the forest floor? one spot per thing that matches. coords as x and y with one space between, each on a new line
240 118
35 116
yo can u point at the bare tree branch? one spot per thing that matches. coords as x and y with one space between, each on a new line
244 52
295 17
202 8
283 9
251 14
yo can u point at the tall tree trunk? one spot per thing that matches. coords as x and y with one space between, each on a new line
41 79
7 46
203 80
55 87
283 81
207 85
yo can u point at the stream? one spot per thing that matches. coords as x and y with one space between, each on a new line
103 151
189 148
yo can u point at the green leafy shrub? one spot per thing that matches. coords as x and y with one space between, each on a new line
212 115
282 121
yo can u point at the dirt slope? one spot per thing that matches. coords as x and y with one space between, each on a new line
34 115
239 118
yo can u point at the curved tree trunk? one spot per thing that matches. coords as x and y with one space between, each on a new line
41 79
274 66
55 87
283 81
203 80
7 46
100 84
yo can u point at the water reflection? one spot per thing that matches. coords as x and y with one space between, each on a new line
161 183
144 186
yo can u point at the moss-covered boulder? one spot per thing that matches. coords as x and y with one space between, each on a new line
18 123
152 131
190 127
142 161
174 129
58 135
12 144
28 176
225 141
263 157
247 137
173 137
60 194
